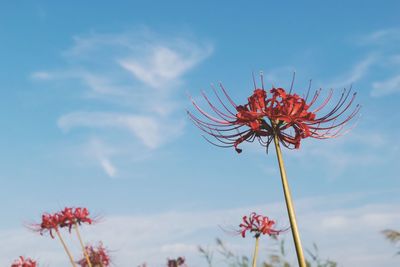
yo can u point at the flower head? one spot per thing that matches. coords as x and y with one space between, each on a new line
98 257
68 217
22 262
74 216
50 223
180 261
258 225
275 113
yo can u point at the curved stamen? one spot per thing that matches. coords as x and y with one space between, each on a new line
217 111
227 96
222 103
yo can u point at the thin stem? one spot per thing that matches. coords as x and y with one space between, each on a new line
66 248
289 205
82 245
255 252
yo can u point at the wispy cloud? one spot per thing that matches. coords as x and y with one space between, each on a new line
102 154
386 43
381 37
358 150
138 75
355 74
151 130
386 87
277 75
162 66
41 75
350 76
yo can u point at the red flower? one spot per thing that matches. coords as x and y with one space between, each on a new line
68 217
266 114
259 225
177 262
22 262
50 223
232 127
292 118
98 257
72 216
82 216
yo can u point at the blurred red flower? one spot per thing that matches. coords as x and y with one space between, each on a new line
285 114
72 216
98 257
22 262
50 223
180 261
259 225
68 217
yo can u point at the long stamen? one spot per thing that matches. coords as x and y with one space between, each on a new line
254 81
262 79
315 97
308 90
222 103
207 115
227 96
217 111
291 85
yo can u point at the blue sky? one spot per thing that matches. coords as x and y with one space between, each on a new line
93 114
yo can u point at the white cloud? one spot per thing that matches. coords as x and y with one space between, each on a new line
138 75
357 149
178 249
343 80
162 66
386 87
108 167
382 37
101 85
41 75
151 130
277 75
386 42
334 223
355 74
348 234
102 154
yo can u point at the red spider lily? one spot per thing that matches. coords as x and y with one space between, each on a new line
259 225
98 257
68 217
22 262
276 112
177 262
73 216
50 223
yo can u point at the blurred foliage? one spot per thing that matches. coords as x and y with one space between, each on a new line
393 236
207 254
278 258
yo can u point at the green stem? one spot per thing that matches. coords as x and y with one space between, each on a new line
82 245
255 252
289 205
66 248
